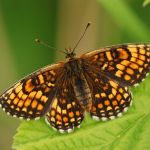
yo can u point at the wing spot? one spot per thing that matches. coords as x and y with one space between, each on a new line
77 113
65 119
9 101
32 94
24 109
12 96
119 97
27 102
142 57
16 100
71 114
110 96
100 105
20 94
64 111
134 55
18 88
52 119
114 103
97 96
54 105
122 102
30 112
108 54
133 59
121 90
38 94
58 117
133 49
50 84
120 67
34 104
18 109
134 66
114 92
125 62
140 70
41 79
142 51
119 73
137 75
140 62
106 102
44 99
103 94
130 71
113 84
24 96
20 103
127 77
117 107
126 95
53 113
68 106
58 109
29 86
40 107
72 120
109 108
12 106
122 53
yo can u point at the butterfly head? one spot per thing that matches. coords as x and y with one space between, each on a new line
70 53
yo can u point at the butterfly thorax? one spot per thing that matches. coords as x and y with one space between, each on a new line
75 73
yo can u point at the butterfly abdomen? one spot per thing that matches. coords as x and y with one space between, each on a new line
83 93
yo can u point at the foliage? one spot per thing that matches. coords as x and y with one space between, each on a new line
146 2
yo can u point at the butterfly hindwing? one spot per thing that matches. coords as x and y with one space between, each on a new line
65 112
110 99
128 64
31 96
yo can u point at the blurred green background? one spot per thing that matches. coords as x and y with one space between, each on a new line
60 23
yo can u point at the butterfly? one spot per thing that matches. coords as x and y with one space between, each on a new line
96 82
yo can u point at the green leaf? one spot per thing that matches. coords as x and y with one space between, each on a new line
131 131
126 19
146 2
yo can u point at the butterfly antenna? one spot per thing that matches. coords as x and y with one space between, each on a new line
81 36
44 44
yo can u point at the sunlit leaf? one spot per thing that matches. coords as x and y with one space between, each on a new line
146 2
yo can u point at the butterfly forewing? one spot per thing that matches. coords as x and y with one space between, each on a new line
127 64
30 97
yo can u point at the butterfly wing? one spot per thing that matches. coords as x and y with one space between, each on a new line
128 64
30 97
110 99
65 111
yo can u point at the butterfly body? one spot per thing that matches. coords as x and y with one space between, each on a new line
97 82
75 72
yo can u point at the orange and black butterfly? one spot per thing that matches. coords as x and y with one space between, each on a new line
97 82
